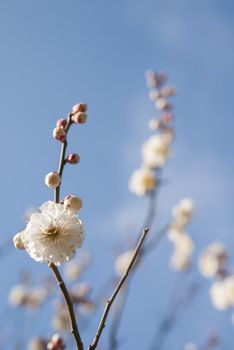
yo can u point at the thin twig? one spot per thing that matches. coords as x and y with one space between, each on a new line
116 291
64 291
62 160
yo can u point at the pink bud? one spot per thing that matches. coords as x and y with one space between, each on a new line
73 158
79 118
61 123
167 118
59 134
79 107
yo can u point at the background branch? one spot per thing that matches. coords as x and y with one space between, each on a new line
116 291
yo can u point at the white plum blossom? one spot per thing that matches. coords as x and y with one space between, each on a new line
219 295
182 213
180 262
52 234
155 151
32 298
142 181
213 260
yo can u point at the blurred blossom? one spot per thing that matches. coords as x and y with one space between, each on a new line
32 298
183 211
61 319
142 181
37 344
182 242
73 270
155 151
122 262
180 262
213 260
190 346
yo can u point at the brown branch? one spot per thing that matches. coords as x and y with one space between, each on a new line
62 160
116 291
64 291
57 275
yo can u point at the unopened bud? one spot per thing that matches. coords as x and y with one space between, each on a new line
18 243
61 123
154 95
79 118
73 158
161 103
52 179
154 124
72 202
167 91
59 133
79 107
167 118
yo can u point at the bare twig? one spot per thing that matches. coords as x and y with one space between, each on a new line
64 291
116 291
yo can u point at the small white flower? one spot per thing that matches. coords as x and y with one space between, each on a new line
142 181
219 295
179 262
182 213
52 234
18 295
213 260
155 151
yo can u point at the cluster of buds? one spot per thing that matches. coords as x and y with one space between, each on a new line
213 264
56 343
156 150
77 115
182 242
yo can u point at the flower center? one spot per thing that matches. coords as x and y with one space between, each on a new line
51 231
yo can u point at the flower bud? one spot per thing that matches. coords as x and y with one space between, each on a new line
61 123
18 243
72 202
167 118
154 124
79 118
52 179
161 103
79 107
73 158
167 91
59 133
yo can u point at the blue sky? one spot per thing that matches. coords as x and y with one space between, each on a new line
54 54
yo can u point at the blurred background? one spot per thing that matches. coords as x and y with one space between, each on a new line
55 54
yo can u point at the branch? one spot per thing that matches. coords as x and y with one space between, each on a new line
64 291
116 291
57 275
62 161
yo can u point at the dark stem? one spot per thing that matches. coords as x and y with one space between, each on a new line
62 160
69 304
